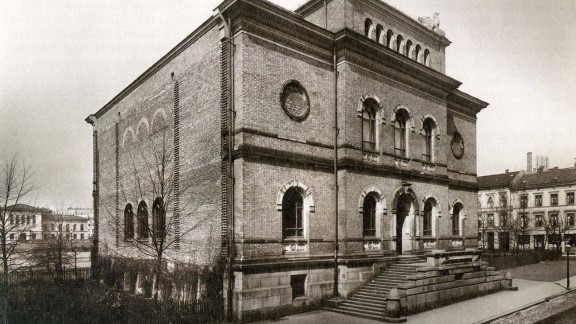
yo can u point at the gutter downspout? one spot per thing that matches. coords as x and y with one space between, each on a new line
230 167
335 67
95 198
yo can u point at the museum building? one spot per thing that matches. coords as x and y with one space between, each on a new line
252 105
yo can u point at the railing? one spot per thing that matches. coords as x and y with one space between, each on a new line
21 276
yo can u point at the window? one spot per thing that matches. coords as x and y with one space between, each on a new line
504 241
523 201
503 220
292 210
400 133
523 239
22 236
33 220
569 198
380 34
298 284
427 226
370 107
554 199
11 236
33 236
28 220
74 227
524 220
399 44
159 219
53 227
67 227
570 219
408 48
81 227
490 219
368 28
142 216
417 53
490 202
538 200
369 216
128 222
538 221
81 236
456 219
74 235
503 199
426 57
11 219
389 36
428 137
17 219
554 219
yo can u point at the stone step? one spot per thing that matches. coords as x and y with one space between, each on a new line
369 294
375 312
366 305
357 314
379 301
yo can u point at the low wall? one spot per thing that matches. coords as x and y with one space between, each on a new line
449 277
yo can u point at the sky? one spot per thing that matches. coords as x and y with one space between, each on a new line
61 60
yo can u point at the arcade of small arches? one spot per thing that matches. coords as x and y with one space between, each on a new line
402 121
396 42
136 226
412 221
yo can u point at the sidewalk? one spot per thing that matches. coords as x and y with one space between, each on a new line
468 311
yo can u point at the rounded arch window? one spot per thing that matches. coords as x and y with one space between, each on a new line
429 126
417 53
369 111
400 133
380 34
295 101
142 215
292 214
159 219
128 222
369 215
427 220
408 48
427 57
457 145
367 27
389 36
399 43
456 219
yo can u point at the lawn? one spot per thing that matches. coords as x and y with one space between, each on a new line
549 271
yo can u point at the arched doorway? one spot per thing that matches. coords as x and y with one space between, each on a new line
405 210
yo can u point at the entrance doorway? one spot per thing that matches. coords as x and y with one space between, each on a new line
402 211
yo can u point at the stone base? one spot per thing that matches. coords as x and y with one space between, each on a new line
395 320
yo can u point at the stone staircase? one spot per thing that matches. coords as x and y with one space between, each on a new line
370 300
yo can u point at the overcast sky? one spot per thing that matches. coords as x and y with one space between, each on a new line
62 60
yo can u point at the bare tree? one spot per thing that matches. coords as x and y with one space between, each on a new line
17 184
483 227
152 179
53 252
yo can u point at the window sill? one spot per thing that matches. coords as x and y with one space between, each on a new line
295 240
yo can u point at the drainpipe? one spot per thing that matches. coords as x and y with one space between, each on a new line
95 198
230 166
336 294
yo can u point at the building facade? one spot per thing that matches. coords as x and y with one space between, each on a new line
532 209
70 226
24 222
251 107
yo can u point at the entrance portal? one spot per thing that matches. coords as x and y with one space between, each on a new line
403 205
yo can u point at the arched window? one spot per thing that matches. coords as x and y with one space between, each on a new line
426 57
380 34
389 36
429 127
408 48
456 219
427 221
370 107
142 216
292 214
369 216
417 53
158 219
128 222
400 133
368 27
490 202
399 44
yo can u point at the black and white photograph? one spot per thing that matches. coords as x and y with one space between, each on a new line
287 161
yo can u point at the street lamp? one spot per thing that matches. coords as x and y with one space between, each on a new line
568 266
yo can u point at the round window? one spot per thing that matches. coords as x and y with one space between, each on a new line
457 145
294 100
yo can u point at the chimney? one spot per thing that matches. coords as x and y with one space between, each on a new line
529 162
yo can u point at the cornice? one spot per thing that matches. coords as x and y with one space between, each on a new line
465 103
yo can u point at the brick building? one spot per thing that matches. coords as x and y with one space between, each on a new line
528 209
249 103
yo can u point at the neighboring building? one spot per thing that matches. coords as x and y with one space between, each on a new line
538 211
73 227
251 129
87 213
25 222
